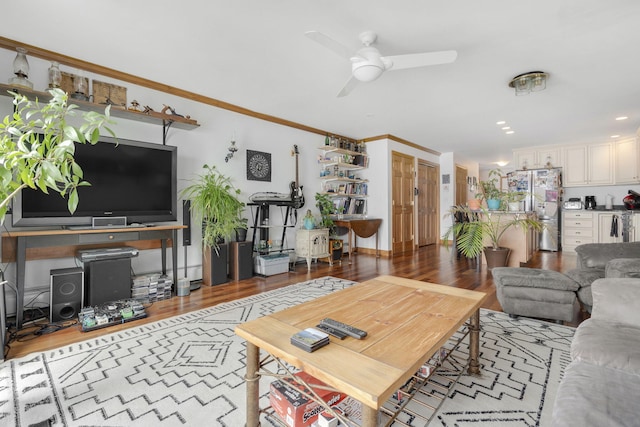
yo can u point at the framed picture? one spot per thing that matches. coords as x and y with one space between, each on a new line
258 166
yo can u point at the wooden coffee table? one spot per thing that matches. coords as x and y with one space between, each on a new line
407 321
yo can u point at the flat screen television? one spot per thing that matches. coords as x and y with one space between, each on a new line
132 179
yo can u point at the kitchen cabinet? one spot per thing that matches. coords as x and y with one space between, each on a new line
588 165
627 158
634 233
578 227
535 158
606 228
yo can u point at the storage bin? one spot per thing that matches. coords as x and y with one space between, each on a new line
268 265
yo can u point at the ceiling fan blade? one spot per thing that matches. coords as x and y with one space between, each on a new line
334 46
348 87
422 59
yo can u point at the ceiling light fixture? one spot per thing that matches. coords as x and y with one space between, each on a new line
509 132
622 118
533 81
501 122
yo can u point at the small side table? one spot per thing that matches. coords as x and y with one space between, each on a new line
312 244
361 228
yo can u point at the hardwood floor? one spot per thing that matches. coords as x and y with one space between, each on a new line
432 263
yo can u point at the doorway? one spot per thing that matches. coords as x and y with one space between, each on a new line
428 203
461 186
402 202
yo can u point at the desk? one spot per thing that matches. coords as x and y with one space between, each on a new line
407 321
362 228
20 246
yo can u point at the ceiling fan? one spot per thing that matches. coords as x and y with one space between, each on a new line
367 64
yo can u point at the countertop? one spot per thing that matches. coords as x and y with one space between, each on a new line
603 208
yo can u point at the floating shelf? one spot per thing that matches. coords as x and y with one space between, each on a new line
330 149
152 117
343 165
343 179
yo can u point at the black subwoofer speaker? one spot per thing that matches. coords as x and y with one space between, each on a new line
107 280
66 293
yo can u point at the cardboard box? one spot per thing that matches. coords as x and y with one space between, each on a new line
352 409
295 409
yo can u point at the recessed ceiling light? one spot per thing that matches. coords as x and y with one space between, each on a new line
506 128
615 136
622 118
509 132
501 122
502 164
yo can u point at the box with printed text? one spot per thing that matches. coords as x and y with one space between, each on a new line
293 407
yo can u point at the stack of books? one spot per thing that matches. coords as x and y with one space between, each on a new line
310 339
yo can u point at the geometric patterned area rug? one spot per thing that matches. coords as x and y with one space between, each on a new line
188 371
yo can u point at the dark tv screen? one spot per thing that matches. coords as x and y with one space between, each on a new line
133 179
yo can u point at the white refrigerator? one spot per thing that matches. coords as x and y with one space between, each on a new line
544 197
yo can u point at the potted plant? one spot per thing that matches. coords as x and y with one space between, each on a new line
484 226
490 190
513 198
326 207
37 145
214 202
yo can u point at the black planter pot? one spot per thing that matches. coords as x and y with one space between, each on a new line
496 257
241 234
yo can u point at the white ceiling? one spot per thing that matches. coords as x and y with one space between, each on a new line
253 53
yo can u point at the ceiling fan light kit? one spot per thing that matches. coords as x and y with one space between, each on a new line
367 64
532 81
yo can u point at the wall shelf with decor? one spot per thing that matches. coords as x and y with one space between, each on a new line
338 168
152 117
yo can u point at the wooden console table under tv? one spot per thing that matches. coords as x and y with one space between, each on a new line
409 323
21 246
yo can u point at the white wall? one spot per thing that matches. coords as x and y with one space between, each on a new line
206 144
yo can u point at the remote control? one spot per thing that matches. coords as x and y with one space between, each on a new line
347 329
331 331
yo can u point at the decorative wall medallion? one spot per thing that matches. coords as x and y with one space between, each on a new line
258 166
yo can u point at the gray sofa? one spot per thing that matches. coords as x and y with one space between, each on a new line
601 385
534 292
599 260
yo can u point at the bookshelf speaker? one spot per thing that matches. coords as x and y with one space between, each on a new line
186 220
65 293
240 260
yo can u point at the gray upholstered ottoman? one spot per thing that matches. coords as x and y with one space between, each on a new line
533 292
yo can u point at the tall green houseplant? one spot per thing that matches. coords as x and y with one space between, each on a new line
485 226
37 145
214 202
